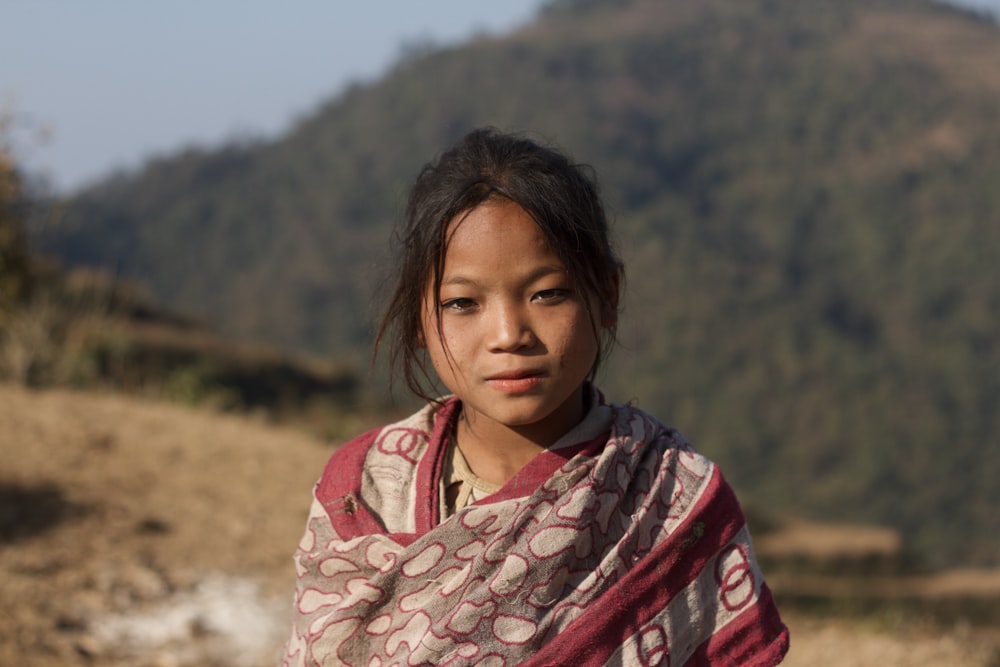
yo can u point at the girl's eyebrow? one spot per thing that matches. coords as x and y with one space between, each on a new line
537 274
459 280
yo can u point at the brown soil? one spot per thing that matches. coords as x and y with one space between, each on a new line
139 533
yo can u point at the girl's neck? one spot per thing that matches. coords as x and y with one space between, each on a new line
496 452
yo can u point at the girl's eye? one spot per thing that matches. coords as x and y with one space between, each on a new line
551 295
460 305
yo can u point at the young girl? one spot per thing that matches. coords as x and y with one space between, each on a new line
522 519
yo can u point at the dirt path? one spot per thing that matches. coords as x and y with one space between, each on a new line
143 534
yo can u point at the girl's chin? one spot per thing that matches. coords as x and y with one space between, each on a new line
525 418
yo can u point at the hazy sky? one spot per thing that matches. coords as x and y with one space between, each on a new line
118 81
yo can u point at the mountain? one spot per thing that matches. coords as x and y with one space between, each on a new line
804 193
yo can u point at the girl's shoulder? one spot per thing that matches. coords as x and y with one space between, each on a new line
402 443
637 422
428 423
637 429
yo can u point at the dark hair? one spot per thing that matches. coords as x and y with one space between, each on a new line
562 197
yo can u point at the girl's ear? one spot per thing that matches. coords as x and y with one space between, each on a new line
609 306
421 340
609 315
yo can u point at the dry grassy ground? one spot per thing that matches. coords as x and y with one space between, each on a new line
137 533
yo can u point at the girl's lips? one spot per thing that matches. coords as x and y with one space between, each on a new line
516 382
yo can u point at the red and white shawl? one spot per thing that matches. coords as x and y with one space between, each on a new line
618 546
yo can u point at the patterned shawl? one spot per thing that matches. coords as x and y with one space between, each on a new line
618 546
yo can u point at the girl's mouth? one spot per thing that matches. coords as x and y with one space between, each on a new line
515 382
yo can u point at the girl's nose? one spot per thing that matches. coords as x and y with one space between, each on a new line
510 330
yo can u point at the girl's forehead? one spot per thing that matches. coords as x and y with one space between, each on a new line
494 226
495 239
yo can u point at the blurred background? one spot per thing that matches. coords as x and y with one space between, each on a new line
195 205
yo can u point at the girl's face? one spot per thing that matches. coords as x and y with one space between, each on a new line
516 338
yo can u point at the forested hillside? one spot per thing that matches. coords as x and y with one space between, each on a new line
805 195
